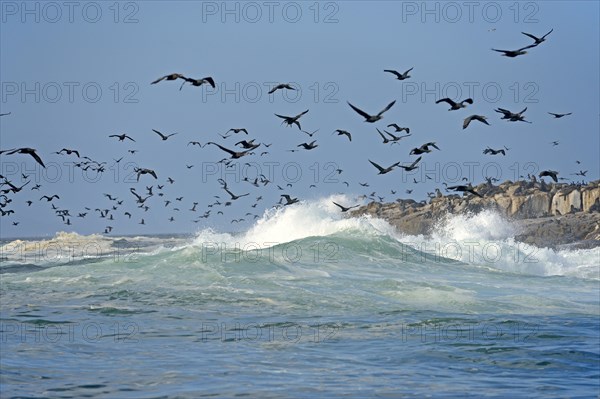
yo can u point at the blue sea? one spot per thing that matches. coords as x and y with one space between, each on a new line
304 303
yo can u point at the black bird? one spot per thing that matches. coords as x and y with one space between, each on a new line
372 118
398 128
234 154
8 113
399 76
162 136
468 189
172 76
248 145
580 173
494 152
343 208
281 86
511 116
557 116
479 118
143 171
122 137
412 166
538 40
25 150
424 148
198 82
290 120
385 139
233 196
69 152
195 143
454 105
549 173
514 53
310 134
236 130
49 198
309 146
289 200
341 132
382 170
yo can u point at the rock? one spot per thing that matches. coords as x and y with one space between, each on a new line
549 215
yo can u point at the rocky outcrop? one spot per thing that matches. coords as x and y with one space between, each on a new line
546 214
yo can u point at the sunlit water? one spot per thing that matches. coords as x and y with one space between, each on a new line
306 303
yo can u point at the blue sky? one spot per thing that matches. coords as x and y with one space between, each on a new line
72 77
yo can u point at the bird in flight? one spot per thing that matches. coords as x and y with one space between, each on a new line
289 200
399 76
558 116
198 82
455 105
234 154
49 198
512 117
424 148
479 118
162 136
538 40
372 118
69 152
494 152
27 151
341 132
382 170
122 137
290 120
551 173
467 189
172 76
281 86
515 53
143 171
398 128
412 166
344 208
236 131
308 146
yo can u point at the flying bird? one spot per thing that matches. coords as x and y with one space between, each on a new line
27 151
538 40
344 208
122 137
281 86
69 152
236 131
341 132
558 116
162 136
494 152
398 128
467 189
424 148
412 166
198 82
289 200
382 170
514 53
234 154
399 76
512 117
550 173
455 105
372 118
479 118
172 76
143 171
290 120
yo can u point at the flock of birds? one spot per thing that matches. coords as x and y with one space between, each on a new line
112 210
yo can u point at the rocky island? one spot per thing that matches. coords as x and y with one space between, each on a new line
545 215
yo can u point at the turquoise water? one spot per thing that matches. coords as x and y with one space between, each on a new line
304 304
